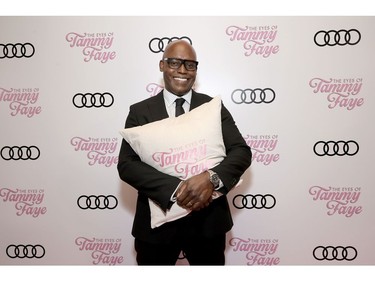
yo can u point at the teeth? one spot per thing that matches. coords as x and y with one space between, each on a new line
180 79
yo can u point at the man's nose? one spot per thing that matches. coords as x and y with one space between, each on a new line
182 68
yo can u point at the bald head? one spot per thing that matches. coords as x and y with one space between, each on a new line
179 46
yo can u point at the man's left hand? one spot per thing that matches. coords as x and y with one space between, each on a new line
196 192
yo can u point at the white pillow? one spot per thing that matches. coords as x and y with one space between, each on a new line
180 146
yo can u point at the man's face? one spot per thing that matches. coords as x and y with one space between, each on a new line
178 81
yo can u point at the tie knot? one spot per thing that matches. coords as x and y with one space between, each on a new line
180 101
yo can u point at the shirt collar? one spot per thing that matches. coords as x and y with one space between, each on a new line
169 98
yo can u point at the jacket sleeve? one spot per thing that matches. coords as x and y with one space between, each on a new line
238 153
147 180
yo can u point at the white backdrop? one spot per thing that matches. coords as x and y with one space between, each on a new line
300 89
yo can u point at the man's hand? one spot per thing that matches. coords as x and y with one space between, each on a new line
196 192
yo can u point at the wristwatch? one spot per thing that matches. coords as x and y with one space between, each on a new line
214 178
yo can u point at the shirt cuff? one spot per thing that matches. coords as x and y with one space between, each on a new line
220 185
174 197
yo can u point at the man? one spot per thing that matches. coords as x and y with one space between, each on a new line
200 235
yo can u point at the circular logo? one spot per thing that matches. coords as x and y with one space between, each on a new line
17 50
25 251
256 96
97 202
341 37
158 45
339 148
93 100
338 253
20 152
257 201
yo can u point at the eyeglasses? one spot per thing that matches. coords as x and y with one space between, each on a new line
173 63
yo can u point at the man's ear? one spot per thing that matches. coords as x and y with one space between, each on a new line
161 65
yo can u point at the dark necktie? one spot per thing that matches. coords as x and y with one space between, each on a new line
179 109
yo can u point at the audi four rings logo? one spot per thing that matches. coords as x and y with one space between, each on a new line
339 148
20 152
97 202
341 37
93 100
257 201
257 96
338 253
17 50
25 251
158 45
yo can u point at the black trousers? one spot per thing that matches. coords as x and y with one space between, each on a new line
197 250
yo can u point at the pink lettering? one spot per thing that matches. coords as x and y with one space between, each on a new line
165 159
265 158
24 202
256 41
12 96
259 259
324 193
187 170
154 88
256 253
93 47
262 145
104 258
343 100
6 193
337 207
19 102
79 40
339 94
90 145
337 201
260 49
98 157
97 54
329 86
87 244
248 246
237 33
28 208
13 196
23 109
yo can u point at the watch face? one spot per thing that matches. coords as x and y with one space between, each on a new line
215 180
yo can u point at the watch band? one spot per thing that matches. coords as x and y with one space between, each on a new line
214 178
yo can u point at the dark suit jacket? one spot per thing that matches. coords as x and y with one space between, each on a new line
151 183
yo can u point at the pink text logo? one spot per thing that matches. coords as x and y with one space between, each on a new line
22 102
95 46
187 160
263 148
27 202
341 93
257 251
339 200
103 251
256 40
99 151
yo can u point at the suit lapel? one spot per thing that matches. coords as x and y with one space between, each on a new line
156 107
195 100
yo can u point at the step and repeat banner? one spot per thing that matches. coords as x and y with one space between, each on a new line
301 90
